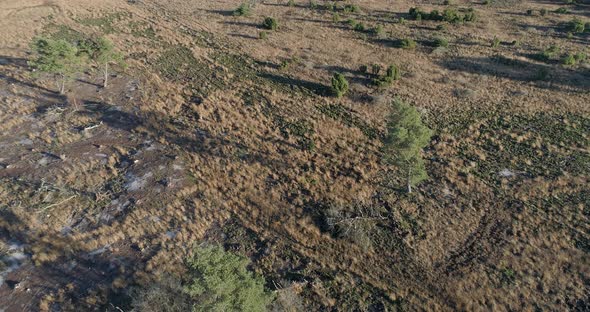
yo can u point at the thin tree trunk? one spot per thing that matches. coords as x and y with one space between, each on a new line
106 75
409 180
62 90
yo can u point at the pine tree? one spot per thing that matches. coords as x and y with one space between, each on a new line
222 282
339 84
406 138
105 54
58 58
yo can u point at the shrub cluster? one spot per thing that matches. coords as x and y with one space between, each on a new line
392 74
450 15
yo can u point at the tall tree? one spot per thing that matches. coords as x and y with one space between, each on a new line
57 57
406 138
105 54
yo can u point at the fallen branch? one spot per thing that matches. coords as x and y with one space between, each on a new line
56 204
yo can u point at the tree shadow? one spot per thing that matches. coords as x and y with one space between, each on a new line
543 76
220 12
246 24
309 86
75 272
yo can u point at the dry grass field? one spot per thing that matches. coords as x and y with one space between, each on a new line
220 131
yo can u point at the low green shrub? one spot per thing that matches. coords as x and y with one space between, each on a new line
576 26
339 85
441 42
244 9
568 60
496 42
561 11
580 57
351 8
549 53
408 43
270 23
359 27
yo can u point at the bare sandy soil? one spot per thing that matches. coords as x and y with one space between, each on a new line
213 134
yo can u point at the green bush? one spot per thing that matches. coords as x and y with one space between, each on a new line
291 3
377 30
392 73
543 12
221 281
243 10
270 23
375 69
450 15
263 35
408 43
576 25
351 22
580 57
352 8
216 280
470 16
359 27
549 53
441 42
496 42
335 17
339 85
561 11
569 60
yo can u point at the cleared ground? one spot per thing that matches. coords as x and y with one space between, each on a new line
212 134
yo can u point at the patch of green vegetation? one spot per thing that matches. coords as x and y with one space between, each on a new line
576 26
351 8
507 276
339 85
245 9
302 129
270 23
451 15
141 29
496 42
568 60
548 53
339 112
441 42
407 43
179 64
557 147
63 32
216 280
393 73
106 22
